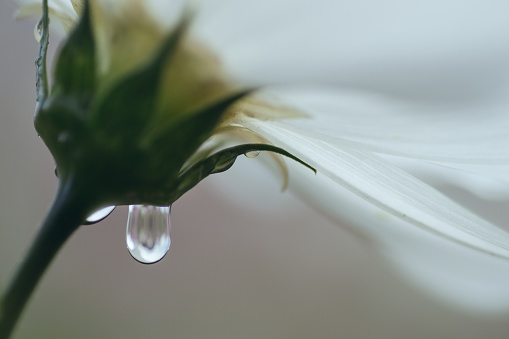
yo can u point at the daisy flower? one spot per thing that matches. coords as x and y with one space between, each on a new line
146 100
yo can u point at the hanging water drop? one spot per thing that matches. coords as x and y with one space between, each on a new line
148 232
252 154
98 215
38 30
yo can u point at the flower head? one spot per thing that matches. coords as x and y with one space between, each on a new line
131 105
156 96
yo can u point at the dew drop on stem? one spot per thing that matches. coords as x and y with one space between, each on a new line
38 30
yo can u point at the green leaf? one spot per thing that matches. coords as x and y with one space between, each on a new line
220 162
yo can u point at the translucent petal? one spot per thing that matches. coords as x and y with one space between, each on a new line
330 42
60 11
454 274
390 188
471 137
487 186
472 133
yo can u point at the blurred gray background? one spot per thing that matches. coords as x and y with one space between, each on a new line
246 261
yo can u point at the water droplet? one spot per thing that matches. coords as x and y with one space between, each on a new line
252 154
99 215
38 30
148 232
63 137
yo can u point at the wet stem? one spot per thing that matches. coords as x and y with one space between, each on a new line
68 211
41 72
65 216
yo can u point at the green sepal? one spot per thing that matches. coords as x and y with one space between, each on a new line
63 133
59 118
220 162
184 135
130 103
75 70
149 174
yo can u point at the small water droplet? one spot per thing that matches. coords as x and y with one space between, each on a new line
148 232
252 154
99 215
38 30
64 137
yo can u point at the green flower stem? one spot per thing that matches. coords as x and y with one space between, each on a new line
68 211
41 71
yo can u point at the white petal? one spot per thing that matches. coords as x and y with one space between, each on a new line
60 11
474 133
384 45
453 273
389 188
472 137
485 186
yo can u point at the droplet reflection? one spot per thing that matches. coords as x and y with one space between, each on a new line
98 215
252 154
148 232
38 31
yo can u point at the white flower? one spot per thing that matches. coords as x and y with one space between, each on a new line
61 12
367 147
